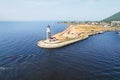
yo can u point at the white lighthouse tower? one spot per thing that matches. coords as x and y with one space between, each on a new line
48 32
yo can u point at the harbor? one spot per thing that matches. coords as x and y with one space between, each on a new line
72 34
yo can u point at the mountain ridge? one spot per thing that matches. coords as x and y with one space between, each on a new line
114 17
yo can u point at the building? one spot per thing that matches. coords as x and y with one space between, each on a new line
52 39
48 32
115 23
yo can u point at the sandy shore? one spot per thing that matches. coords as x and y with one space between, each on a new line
73 34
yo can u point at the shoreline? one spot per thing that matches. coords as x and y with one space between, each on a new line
74 33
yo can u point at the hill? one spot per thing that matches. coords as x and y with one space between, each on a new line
115 17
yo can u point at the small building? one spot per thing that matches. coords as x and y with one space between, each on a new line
52 39
115 23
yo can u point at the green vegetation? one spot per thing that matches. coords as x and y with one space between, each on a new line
115 17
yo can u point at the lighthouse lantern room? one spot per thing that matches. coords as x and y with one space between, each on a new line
48 32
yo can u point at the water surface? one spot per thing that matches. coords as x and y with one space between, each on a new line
96 58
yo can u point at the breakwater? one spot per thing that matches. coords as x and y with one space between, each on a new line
72 34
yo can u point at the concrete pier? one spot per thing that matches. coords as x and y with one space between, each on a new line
58 44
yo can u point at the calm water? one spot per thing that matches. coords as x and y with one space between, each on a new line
96 58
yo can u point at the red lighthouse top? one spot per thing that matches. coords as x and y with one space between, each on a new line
48 26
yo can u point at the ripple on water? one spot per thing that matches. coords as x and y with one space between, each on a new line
94 58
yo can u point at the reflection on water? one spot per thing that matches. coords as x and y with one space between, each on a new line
95 58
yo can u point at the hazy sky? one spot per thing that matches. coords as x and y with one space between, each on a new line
35 10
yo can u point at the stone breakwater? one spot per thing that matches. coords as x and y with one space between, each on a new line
45 44
72 34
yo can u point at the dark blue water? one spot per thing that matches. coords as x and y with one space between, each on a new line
96 58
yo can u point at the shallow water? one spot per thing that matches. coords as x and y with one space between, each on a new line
96 58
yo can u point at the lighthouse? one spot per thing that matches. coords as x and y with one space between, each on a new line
48 32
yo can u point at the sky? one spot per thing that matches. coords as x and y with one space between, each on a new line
67 10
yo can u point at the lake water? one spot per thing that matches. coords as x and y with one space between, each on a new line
96 58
